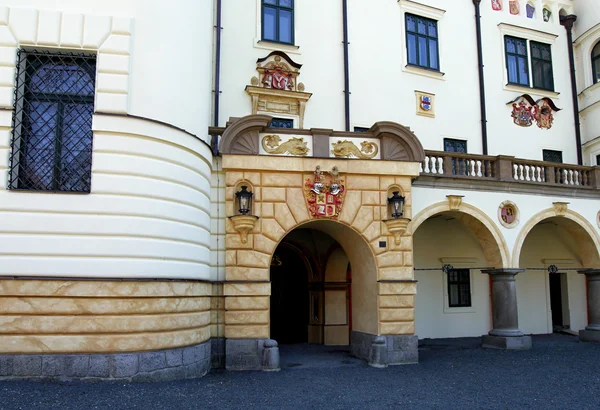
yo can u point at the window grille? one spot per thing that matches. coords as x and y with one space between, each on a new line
552 156
422 42
278 21
459 288
541 66
281 123
51 147
458 164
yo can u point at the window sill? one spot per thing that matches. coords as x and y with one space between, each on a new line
451 310
586 92
274 46
438 75
530 90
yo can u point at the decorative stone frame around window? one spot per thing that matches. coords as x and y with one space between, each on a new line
51 148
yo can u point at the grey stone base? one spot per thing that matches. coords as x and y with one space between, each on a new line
589 335
381 351
162 365
251 354
503 342
217 353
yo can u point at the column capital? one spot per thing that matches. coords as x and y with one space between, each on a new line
502 271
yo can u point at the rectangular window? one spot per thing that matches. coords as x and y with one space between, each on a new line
516 60
597 159
459 288
52 122
541 66
422 42
552 156
278 21
281 123
361 129
458 164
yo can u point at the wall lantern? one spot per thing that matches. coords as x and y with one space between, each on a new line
243 221
244 201
396 224
396 205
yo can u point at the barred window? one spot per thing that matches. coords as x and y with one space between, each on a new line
459 288
52 122
281 123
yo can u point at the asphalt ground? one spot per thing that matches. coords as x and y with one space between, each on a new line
558 372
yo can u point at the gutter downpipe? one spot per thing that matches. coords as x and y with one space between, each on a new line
567 22
346 70
484 138
217 91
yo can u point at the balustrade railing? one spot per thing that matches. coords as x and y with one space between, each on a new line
508 169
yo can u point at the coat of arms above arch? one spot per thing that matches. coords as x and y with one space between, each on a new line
276 89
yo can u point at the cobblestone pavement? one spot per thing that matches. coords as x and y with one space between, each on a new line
559 372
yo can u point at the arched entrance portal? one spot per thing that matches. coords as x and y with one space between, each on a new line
310 290
323 285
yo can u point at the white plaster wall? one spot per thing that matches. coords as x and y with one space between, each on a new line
529 205
149 211
148 215
587 35
549 242
445 237
382 89
166 47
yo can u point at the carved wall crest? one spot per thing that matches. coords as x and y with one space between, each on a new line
522 114
508 214
513 6
526 110
275 89
543 115
325 193
347 149
560 208
294 146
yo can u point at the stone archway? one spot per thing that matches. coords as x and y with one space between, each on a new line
552 247
580 228
386 294
483 227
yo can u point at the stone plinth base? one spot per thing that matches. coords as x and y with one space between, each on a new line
251 354
589 335
382 351
161 365
504 342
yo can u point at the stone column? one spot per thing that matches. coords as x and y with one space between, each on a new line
505 333
592 330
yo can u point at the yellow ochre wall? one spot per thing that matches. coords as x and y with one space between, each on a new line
74 316
382 290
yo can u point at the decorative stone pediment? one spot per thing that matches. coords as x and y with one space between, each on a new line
276 89
385 140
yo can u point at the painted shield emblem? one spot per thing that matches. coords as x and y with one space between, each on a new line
426 103
324 194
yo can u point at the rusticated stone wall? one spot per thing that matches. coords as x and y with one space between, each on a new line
383 282
75 316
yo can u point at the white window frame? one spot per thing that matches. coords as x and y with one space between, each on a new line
528 35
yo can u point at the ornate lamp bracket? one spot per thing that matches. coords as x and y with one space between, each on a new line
397 227
244 224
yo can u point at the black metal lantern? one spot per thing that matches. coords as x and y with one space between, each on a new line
396 205
244 200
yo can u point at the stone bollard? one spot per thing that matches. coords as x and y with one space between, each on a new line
378 357
270 357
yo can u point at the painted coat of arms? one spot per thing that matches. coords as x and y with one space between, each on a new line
325 194
522 114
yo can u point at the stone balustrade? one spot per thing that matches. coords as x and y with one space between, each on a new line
509 169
